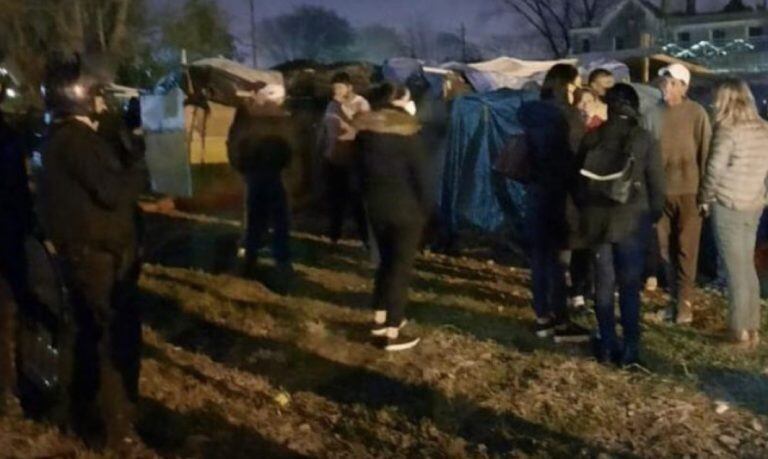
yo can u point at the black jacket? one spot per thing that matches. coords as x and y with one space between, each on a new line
88 196
261 139
554 131
392 164
604 221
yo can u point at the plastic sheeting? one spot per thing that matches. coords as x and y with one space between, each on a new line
472 194
506 72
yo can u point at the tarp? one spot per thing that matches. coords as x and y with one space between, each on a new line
506 72
222 78
472 194
619 69
167 156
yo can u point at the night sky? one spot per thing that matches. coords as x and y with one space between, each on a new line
482 18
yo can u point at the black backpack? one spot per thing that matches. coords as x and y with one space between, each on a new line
609 171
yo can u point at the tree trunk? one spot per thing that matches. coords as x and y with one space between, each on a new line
120 27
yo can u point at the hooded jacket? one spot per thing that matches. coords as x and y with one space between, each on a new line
260 139
393 165
603 221
88 196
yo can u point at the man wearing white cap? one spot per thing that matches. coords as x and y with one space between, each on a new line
683 130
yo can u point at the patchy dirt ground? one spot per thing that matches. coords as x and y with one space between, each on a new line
233 370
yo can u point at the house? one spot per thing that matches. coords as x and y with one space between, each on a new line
734 38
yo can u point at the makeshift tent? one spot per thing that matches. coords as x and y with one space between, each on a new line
472 194
167 156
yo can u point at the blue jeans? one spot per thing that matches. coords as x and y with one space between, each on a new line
620 264
549 260
735 235
267 205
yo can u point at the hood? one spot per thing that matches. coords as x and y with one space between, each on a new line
388 121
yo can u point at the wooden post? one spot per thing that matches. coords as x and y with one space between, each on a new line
645 44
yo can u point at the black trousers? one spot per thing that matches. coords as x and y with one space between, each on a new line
102 374
267 205
398 243
344 196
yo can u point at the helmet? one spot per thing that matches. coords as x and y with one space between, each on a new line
66 90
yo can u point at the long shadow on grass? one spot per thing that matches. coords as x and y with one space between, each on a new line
167 431
301 370
748 390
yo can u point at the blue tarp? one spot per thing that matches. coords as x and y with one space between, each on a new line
472 194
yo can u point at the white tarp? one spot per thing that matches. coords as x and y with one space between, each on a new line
167 154
506 72
241 71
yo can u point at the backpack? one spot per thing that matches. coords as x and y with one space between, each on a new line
609 171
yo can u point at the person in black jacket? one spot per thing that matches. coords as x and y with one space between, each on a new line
15 224
618 232
393 172
554 128
87 207
260 145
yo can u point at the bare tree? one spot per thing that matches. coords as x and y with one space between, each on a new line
554 19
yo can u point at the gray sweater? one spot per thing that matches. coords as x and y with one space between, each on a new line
738 167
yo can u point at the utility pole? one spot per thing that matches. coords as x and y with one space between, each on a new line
254 49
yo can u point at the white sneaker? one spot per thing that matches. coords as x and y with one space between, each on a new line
381 330
578 302
379 317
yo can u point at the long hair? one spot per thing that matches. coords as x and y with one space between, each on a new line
556 82
735 104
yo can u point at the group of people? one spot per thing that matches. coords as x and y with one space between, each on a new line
608 185
374 161
611 185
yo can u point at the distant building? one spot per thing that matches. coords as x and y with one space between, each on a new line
732 39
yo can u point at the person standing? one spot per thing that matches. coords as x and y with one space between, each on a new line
393 170
615 228
682 128
554 129
88 200
260 146
339 151
733 191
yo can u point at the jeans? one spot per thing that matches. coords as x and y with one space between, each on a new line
620 263
735 235
267 204
549 260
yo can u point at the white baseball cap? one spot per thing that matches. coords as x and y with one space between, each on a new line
678 72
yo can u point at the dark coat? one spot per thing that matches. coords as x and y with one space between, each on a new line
554 131
392 164
604 221
261 139
88 196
